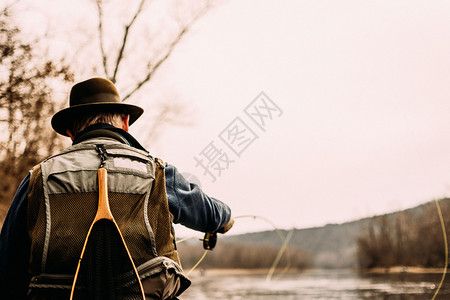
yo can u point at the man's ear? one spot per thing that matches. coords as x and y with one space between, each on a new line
126 123
70 134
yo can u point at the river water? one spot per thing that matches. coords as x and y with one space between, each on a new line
325 284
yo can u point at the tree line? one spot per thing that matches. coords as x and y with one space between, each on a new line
409 238
243 256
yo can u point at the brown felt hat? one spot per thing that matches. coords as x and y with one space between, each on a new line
91 96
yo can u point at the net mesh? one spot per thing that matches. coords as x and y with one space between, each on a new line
72 215
106 271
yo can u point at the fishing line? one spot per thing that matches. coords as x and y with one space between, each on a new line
198 262
201 258
280 234
279 255
185 239
441 219
285 240
444 233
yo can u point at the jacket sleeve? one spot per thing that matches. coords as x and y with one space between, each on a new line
15 247
191 207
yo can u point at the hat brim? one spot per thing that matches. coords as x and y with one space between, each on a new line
64 119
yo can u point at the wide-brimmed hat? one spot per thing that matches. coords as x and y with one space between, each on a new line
94 95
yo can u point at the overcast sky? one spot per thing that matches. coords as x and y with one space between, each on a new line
353 119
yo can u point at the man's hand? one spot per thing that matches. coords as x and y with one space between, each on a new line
227 226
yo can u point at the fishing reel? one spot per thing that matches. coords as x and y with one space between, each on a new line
209 240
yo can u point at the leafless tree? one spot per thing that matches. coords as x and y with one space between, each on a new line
143 46
154 59
413 238
149 32
26 105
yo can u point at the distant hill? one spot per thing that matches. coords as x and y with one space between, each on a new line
330 246
333 245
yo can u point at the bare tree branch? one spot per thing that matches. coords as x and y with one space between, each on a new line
101 39
9 6
27 89
169 51
124 41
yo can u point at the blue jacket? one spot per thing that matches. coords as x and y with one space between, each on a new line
189 205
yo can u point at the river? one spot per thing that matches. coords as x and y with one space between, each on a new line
318 284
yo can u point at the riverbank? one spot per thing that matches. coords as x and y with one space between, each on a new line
387 270
404 269
264 271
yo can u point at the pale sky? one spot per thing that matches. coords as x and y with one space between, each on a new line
363 92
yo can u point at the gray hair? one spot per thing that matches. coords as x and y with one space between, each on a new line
114 119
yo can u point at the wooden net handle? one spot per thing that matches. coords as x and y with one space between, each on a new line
104 212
